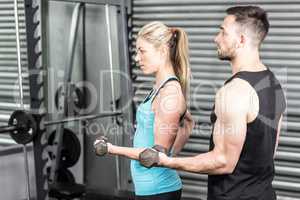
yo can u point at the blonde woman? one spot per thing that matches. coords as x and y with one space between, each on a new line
162 118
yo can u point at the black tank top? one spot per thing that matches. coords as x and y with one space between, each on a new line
253 175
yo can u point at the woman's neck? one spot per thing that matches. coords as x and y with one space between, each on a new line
163 74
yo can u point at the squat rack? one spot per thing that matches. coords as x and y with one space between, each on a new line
33 11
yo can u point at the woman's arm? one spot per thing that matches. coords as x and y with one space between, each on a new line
128 152
183 134
102 147
168 106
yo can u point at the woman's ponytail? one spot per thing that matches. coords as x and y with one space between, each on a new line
179 53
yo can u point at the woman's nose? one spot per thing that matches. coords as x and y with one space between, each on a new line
137 58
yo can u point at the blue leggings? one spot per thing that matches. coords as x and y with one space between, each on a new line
175 195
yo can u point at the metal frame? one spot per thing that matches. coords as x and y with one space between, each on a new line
65 92
126 3
126 88
33 27
11 150
38 103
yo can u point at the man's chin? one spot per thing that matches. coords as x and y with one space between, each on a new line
222 57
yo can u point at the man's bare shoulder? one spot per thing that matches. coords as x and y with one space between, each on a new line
234 98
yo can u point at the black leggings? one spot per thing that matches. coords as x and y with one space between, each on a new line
175 195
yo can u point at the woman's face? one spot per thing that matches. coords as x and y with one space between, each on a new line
148 57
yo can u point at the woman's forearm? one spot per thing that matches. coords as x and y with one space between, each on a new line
128 152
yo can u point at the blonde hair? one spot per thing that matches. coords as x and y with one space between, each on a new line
158 34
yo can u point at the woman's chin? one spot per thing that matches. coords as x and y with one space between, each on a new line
146 72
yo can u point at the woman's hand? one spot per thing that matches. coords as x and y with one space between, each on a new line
100 145
183 133
188 117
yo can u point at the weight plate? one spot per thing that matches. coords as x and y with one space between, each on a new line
70 151
25 124
77 99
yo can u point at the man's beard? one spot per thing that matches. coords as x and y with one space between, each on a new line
228 55
224 57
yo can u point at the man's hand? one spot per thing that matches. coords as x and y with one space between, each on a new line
150 156
163 159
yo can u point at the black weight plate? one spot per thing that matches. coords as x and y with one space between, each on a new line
76 96
63 175
70 151
25 124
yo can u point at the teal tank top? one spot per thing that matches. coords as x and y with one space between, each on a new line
155 180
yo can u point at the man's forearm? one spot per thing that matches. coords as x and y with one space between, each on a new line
208 163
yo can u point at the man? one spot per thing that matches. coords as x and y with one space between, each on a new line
246 117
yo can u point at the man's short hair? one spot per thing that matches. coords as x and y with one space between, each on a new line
252 17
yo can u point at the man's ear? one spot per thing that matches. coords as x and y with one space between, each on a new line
242 41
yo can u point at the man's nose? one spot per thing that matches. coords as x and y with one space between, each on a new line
216 38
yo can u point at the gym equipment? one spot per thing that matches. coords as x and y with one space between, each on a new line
100 146
30 122
46 186
150 156
76 99
70 150
65 187
22 126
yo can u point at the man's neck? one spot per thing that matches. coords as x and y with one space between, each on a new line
247 61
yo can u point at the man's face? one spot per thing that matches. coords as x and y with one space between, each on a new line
227 39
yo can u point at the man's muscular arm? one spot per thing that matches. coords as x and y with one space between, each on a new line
231 107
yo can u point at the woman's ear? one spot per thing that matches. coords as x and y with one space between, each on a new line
164 50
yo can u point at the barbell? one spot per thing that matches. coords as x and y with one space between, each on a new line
22 126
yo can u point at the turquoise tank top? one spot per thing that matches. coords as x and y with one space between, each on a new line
155 180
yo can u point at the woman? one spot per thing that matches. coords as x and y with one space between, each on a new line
161 51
